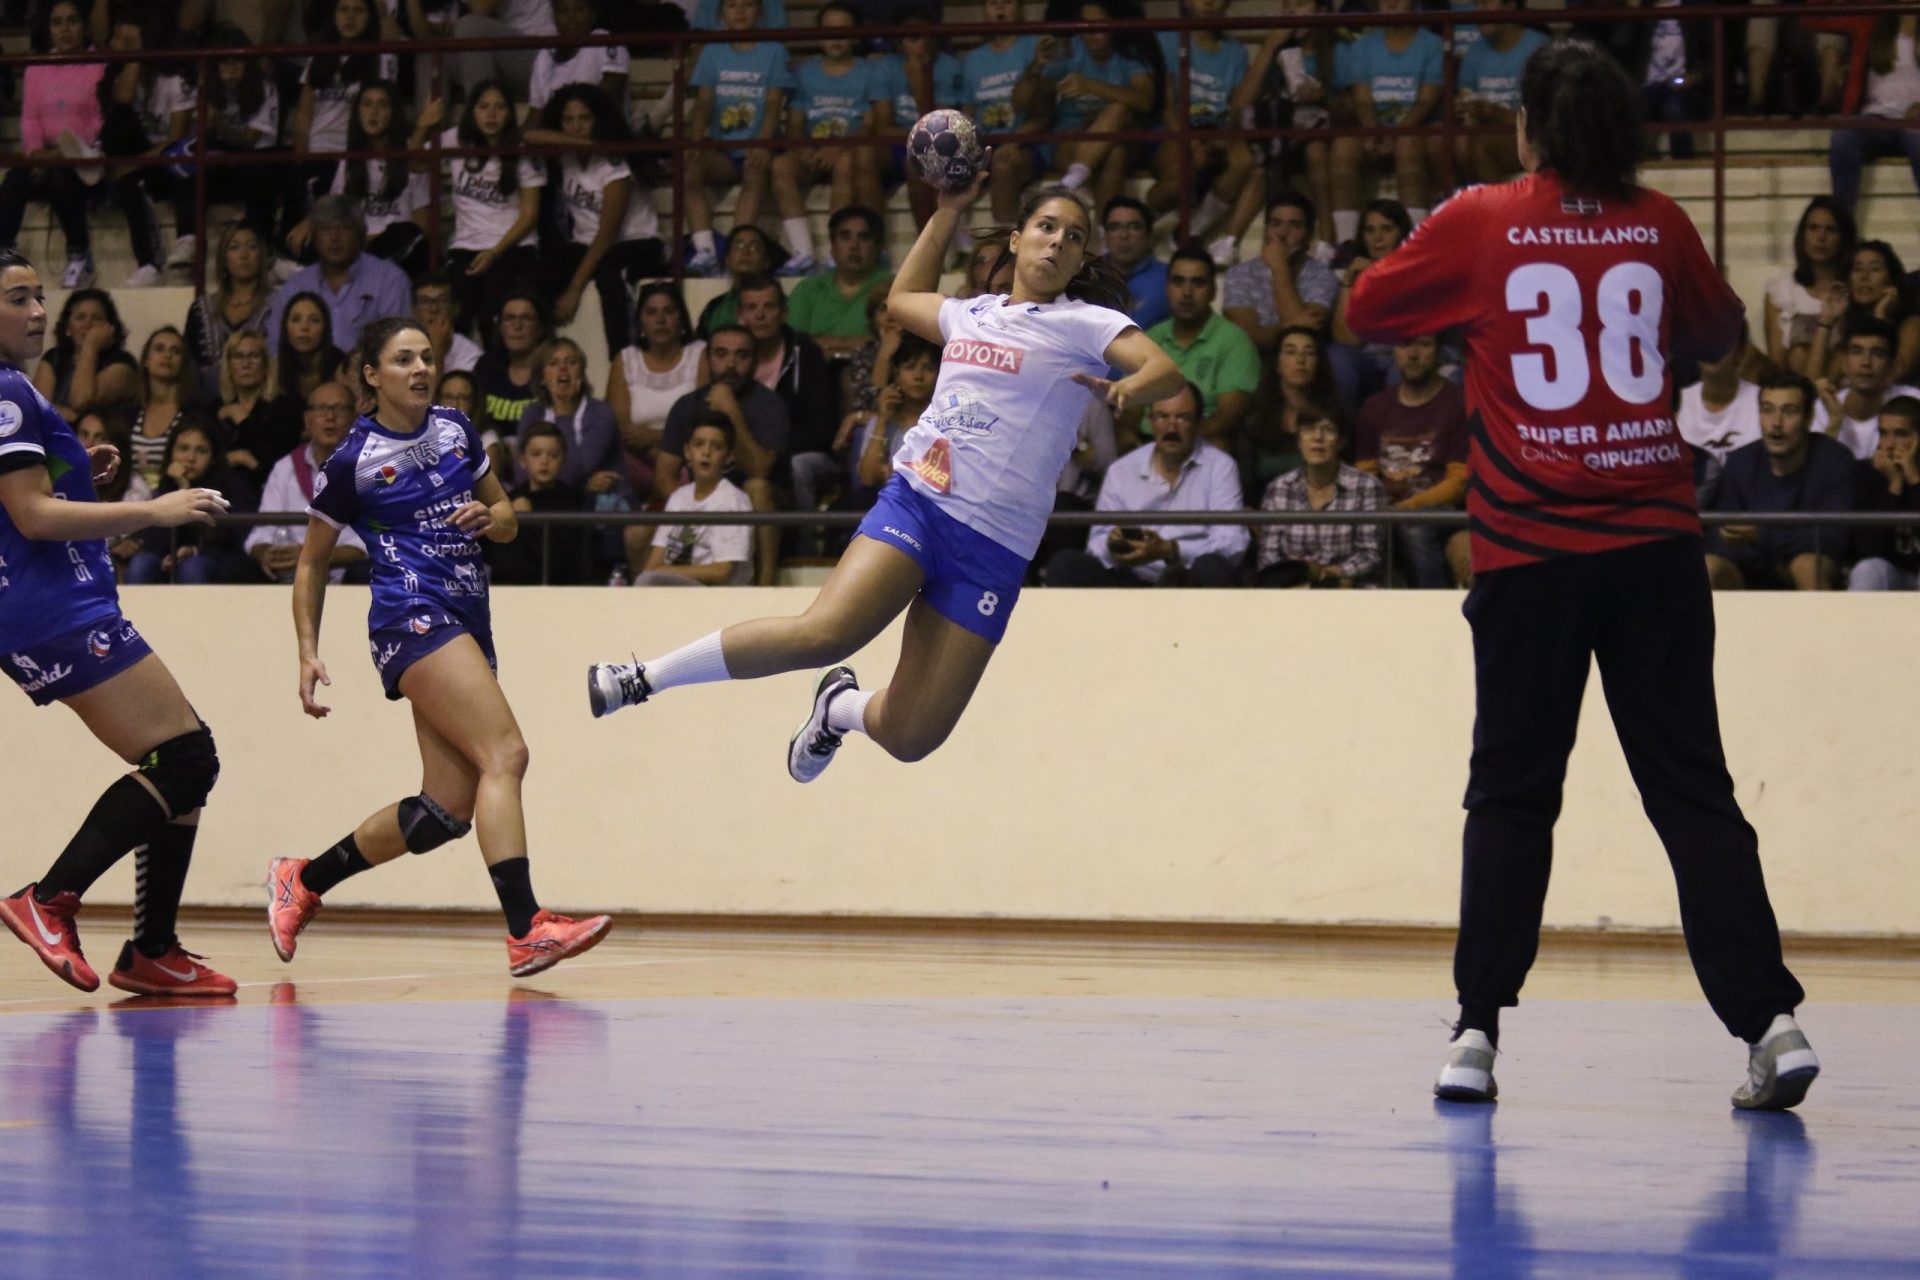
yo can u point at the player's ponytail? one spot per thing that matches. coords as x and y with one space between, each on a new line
1583 117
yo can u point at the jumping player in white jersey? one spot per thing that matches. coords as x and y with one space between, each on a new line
414 482
63 640
951 537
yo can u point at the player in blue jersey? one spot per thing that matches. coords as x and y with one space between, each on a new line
413 480
950 539
63 640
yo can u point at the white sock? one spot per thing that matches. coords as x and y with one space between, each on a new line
1346 225
847 713
698 663
1781 1024
1076 176
1211 211
799 235
1417 215
703 243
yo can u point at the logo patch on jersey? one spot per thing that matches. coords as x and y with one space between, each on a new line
1581 205
935 466
420 625
985 355
10 418
386 475
100 642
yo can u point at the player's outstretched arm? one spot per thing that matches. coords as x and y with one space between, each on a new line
27 494
915 297
309 598
1151 373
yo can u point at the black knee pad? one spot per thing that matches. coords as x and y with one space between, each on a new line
425 826
183 770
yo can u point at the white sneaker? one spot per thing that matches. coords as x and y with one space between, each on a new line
73 147
79 272
703 264
613 685
813 744
184 247
800 264
145 278
1224 250
1780 1069
1467 1075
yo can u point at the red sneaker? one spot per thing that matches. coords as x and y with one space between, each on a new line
174 972
552 939
290 904
48 928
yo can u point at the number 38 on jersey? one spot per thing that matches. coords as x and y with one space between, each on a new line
1628 303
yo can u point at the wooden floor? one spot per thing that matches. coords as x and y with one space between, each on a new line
761 1104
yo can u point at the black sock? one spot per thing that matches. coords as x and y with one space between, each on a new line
335 865
125 815
1480 1017
160 877
513 881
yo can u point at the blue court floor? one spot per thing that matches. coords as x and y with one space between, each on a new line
365 1126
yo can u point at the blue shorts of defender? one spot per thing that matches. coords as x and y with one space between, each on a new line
76 661
971 580
394 649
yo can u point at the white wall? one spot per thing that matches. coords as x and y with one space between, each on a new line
1209 756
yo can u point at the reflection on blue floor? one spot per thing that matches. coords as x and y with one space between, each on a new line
962 1137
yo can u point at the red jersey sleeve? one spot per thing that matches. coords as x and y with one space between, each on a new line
1706 310
1424 286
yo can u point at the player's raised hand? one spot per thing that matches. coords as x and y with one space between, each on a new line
960 201
313 672
185 506
1113 391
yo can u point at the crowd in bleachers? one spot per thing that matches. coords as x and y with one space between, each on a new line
792 386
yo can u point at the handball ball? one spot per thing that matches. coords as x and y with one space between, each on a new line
946 146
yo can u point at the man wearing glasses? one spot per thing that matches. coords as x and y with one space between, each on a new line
276 547
1129 228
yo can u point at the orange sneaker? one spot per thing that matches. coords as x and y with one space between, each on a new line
49 929
552 939
290 904
174 972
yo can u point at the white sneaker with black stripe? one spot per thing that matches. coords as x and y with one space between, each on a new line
613 685
1467 1075
813 744
1780 1069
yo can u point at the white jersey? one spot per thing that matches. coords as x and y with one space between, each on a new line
1719 432
1005 412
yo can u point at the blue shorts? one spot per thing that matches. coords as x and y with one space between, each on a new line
76 661
394 649
971 580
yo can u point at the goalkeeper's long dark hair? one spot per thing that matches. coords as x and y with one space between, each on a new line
1583 117
1098 281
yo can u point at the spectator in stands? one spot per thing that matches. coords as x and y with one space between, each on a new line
1303 383
507 373
1129 227
438 311
834 96
1177 471
708 555
496 200
89 364
1671 61
259 425
237 303
708 15
749 253
1893 93
243 117
1096 89
741 93
169 392
1394 77
1295 68
55 103
868 438
1358 366
458 390
615 233
1004 86
328 85
607 68
1721 412
1849 410
919 78
391 197
1321 555
870 366
664 363
306 356
1790 468
561 556
1488 93
195 554
109 424
1219 89
596 462
1285 286
1822 251
500 19
793 367
1876 289
357 287
1212 351
146 111
1413 438
329 414
1890 557
831 308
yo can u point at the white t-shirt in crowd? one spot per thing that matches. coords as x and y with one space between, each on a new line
698 544
332 105
586 66
165 96
1796 307
583 188
529 17
1890 96
462 354
1719 432
1860 435
265 121
1006 412
482 213
650 394
380 212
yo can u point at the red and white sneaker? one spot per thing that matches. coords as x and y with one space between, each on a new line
552 939
290 904
174 972
49 929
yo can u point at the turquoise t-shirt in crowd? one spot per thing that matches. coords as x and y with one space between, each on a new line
741 79
1394 79
1078 113
834 106
1212 76
949 88
987 79
706 15
1495 76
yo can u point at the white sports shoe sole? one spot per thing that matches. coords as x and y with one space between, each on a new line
804 765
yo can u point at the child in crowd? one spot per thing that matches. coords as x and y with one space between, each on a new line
704 554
